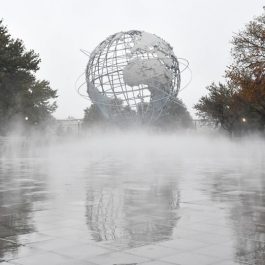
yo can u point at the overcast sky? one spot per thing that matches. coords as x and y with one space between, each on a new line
198 30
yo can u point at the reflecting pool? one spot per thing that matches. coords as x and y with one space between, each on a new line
133 198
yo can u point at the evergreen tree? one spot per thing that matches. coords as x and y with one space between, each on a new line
93 116
174 115
23 98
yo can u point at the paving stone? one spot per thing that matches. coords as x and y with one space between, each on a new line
16 252
28 238
156 263
221 251
43 259
192 259
82 252
117 258
183 244
152 251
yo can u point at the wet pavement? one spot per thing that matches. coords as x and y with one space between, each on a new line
146 200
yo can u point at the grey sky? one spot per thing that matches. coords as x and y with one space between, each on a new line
198 30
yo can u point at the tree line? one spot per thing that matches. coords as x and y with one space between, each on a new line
238 104
173 116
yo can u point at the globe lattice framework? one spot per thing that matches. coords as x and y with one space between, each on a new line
132 75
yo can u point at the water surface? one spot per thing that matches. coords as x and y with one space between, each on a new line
83 200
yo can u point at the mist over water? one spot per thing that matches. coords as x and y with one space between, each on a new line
133 146
126 189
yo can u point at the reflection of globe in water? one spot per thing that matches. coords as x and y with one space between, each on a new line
132 75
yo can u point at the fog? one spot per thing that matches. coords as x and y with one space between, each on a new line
136 147
129 188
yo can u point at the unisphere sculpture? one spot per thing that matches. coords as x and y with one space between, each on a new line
132 75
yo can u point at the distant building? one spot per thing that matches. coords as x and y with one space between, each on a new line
69 126
203 124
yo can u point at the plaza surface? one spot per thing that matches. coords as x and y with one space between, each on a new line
146 200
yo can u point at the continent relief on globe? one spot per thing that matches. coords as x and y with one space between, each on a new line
153 72
147 72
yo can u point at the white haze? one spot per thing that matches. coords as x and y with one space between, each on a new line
99 182
136 146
